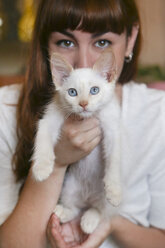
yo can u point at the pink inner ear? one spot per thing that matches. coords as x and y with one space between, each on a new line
60 69
106 65
109 77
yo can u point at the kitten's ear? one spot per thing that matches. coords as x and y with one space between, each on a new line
106 65
60 69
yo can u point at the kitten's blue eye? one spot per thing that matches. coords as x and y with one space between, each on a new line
72 92
94 90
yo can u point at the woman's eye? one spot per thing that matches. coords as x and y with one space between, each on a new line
103 43
94 90
65 43
72 92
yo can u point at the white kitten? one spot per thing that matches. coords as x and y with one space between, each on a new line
91 181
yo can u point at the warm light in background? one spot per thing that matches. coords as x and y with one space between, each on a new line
26 22
1 21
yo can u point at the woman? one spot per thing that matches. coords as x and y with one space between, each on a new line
80 31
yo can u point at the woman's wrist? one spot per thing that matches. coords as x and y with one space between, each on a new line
60 166
116 223
59 170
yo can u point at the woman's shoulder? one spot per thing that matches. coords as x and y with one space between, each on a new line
8 187
8 101
138 94
9 94
141 90
144 108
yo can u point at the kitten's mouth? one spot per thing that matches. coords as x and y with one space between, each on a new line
85 113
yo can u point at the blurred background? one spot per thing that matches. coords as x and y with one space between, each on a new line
16 24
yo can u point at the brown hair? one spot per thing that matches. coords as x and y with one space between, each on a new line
57 15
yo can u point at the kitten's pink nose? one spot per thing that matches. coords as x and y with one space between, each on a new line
83 104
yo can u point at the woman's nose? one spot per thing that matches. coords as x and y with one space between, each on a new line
83 59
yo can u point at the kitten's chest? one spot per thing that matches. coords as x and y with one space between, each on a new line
91 167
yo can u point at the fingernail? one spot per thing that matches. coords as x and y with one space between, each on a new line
53 221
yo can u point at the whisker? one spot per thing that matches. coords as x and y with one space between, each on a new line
64 108
68 114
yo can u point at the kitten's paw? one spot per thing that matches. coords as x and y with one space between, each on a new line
42 169
90 220
59 212
113 193
64 214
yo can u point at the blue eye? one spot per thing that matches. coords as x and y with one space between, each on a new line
94 90
72 92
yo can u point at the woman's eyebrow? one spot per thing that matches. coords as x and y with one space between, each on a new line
67 34
95 35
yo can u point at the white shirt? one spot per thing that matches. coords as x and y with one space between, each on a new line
8 188
143 155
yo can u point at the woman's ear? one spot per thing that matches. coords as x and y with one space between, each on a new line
131 40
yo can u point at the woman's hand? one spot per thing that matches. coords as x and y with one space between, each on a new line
70 235
78 138
66 235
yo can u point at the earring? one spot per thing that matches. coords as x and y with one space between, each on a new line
129 58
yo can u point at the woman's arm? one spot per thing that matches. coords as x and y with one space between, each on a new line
130 235
26 226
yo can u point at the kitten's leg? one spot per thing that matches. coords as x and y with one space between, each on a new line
112 183
90 220
112 152
66 214
43 156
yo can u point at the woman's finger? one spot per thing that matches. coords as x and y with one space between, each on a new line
84 141
57 239
54 233
92 144
84 125
49 226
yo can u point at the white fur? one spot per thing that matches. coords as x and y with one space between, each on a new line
95 179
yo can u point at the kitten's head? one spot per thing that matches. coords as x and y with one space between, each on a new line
84 91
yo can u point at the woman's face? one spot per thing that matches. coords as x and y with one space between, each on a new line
81 49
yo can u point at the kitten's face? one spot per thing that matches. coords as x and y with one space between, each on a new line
85 92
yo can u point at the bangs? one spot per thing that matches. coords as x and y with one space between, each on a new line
88 15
